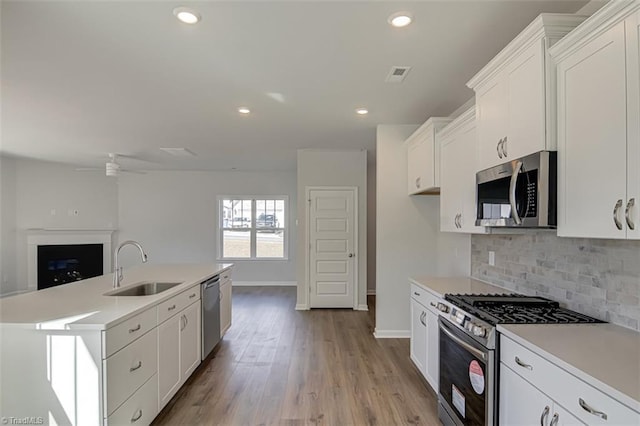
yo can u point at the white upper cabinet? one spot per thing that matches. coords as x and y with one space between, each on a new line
599 125
515 103
423 157
458 175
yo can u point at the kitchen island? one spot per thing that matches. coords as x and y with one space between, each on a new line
74 354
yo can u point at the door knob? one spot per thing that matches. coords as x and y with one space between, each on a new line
351 254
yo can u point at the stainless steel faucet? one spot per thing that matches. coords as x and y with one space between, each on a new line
117 271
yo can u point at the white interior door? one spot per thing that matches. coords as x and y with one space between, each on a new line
332 257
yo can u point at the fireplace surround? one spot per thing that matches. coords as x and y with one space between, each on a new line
79 242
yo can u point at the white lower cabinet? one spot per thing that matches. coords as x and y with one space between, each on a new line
530 382
225 302
140 409
522 404
424 343
178 349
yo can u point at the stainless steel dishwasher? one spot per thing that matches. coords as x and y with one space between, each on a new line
210 314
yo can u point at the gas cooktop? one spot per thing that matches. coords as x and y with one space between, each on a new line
517 309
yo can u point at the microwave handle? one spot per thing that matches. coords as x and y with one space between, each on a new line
512 193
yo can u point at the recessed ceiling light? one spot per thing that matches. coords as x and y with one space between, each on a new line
362 111
244 110
400 19
186 15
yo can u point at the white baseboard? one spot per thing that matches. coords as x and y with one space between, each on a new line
302 307
264 283
391 334
362 308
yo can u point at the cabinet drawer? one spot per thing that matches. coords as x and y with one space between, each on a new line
140 409
224 277
121 335
564 387
129 369
425 298
170 307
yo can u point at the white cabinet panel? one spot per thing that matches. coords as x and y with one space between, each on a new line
521 404
226 289
493 115
592 138
432 370
140 409
418 335
190 340
168 359
599 126
423 157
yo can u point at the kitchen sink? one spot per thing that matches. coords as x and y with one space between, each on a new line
143 289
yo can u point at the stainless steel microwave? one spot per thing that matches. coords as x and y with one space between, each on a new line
520 193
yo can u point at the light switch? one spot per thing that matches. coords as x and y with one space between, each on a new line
492 258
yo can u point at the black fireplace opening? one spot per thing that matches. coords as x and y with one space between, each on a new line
62 264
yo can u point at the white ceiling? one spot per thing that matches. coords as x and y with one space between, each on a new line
81 79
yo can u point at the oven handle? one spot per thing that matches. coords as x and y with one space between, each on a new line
512 193
475 351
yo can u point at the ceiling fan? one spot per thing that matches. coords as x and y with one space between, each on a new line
112 167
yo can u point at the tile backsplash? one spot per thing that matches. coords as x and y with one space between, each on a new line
596 277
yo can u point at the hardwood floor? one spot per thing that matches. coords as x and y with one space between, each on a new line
278 366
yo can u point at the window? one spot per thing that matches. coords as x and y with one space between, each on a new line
253 228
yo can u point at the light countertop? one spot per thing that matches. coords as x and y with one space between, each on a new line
83 305
606 356
457 285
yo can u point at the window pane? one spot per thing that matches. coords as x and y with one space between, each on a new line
270 243
269 214
236 243
236 214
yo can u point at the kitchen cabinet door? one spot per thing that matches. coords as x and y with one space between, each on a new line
168 359
432 369
225 306
632 26
525 132
520 402
592 138
418 343
417 162
493 114
190 340
458 176
423 158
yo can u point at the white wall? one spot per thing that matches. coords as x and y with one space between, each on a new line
174 215
8 270
332 168
46 192
408 238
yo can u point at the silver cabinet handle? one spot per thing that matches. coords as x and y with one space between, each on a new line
544 415
523 365
616 208
132 369
591 410
171 308
554 419
512 193
191 296
418 182
416 293
504 147
433 304
134 329
630 223
422 315
182 323
137 417
498 148
460 220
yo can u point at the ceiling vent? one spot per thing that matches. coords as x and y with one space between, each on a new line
397 74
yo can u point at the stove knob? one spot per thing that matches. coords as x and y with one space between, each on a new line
469 326
442 307
479 331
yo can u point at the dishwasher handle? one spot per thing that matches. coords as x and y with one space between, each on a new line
211 282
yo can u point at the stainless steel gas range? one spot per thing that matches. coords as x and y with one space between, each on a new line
469 355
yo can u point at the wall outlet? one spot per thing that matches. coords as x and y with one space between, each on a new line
492 258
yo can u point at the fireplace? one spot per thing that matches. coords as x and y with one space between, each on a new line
59 256
62 264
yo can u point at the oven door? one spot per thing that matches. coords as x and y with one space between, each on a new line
467 379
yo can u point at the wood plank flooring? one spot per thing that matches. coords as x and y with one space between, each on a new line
278 366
